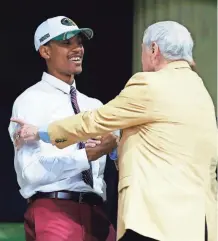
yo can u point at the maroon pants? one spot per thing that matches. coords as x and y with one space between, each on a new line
65 220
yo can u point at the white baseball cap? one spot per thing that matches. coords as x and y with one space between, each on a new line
58 28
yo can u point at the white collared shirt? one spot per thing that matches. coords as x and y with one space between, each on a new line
41 166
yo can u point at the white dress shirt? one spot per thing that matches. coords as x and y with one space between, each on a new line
41 166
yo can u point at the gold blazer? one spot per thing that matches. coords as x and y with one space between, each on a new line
166 154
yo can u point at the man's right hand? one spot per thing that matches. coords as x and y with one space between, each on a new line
108 143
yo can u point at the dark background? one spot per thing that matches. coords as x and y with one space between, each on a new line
107 67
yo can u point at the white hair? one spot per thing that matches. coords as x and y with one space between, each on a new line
173 39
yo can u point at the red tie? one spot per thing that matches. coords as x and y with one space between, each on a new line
87 174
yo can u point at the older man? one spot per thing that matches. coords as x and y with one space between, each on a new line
167 145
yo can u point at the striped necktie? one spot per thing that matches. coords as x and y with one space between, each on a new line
87 174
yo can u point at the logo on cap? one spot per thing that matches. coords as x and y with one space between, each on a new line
44 37
67 22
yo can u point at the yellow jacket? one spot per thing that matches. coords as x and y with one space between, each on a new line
166 154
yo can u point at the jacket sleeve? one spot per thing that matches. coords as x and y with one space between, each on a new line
131 107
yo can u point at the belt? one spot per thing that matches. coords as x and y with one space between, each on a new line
80 197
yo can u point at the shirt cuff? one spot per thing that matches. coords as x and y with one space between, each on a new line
43 134
113 155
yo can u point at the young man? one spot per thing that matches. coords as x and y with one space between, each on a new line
64 189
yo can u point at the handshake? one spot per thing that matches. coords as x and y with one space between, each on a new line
95 148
